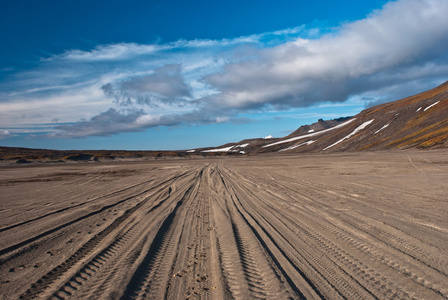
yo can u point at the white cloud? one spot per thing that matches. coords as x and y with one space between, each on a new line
126 51
4 134
122 51
406 35
70 106
107 52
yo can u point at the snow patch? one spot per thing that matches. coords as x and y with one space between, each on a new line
431 106
242 152
359 128
268 137
242 146
381 128
297 146
311 130
418 109
226 149
310 134
190 151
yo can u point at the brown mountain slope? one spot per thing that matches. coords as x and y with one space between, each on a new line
318 126
419 121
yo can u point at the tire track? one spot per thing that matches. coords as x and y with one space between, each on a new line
92 244
194 277
262 275
301 266
385 257
44 234
345 262
94 278
72 206
386 237
230 229
148 280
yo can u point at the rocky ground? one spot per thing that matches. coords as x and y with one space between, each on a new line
355 226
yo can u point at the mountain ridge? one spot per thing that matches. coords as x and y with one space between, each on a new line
416 122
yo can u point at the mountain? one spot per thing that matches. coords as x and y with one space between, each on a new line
419 121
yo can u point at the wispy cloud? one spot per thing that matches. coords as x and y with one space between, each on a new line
393 52
122 51
107 52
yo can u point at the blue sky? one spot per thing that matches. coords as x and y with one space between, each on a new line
183 74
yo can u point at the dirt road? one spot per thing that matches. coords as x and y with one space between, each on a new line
353 226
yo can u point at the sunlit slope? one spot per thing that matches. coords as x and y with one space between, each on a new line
419 121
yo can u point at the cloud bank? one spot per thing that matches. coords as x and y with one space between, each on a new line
394 52
386 48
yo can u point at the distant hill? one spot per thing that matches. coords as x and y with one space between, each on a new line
27 155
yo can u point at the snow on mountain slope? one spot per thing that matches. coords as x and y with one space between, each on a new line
419 121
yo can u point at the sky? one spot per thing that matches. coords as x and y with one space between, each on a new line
172 75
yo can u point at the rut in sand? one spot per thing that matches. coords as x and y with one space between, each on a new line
292 228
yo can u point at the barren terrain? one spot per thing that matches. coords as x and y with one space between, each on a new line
354 225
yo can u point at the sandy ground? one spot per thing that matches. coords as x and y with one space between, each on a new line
354 226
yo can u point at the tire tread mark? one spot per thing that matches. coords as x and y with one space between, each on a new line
146 272
83 251
272 256
48 232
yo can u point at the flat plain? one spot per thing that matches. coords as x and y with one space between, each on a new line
370 225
